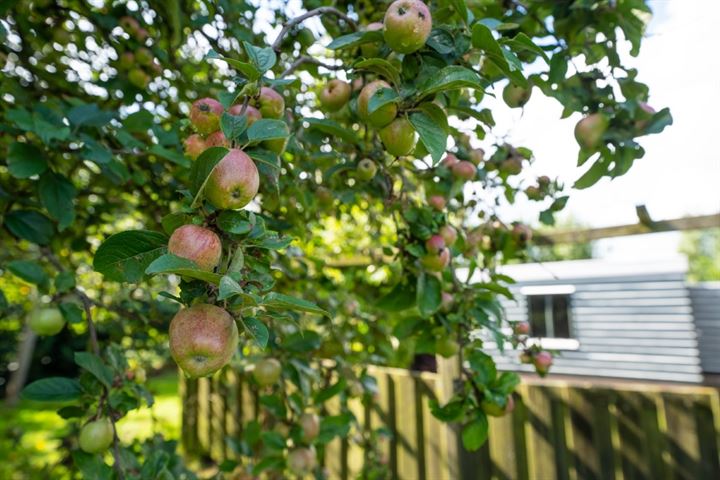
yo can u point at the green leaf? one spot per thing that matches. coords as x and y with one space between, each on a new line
52 389
267 129
382 97
228 288
56 195
173 155
169 263
483 39
71 312
327 393
123 257
234 222
268 164
233 125
453 77
461 9
203 166
431 134
659 121
247 70
91 465
175 220
400 298
90 115
262 58
475 433
139 122
29 271
93 364
429 294
25 160
333 129
303 341
483 366
30 225
355 39
594 173
381 67
522 42
257 330
450 412
274 300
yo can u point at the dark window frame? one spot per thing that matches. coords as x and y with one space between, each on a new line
550 321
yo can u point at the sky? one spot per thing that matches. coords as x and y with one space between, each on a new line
680 173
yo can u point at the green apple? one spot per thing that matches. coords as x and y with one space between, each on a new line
96 436
446 347
267 371
335 95
46 321
407 25
271 103
383 115
366 169
398 137
590 130
516 96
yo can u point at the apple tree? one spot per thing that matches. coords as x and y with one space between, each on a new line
297 195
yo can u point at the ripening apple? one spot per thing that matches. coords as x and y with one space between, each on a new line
495 410
366 169
533 193
267 371
521 328
217 139
437 202
590 130
542 361
335 95
205 115
446 347
449 234
144 56
203 339
96 436
371 49
511 166
271 103
435 244
383 115
194 146
138 78
464 170
398 137
126 60
310 425
436 262
302 460
199 244
450 160
407 25
516 96
46 321
234 181
477 156
543 180
251 113
522 233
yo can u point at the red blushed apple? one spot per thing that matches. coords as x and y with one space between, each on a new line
450 160
435 244
252 113
446 301
199 244
521 328
464 170
542 361
383 115
217 139
590 130
436 262
234 181
302 460
449 234
194 146
203 339
511 166
407 25
516 96
399 137
271 103
335 95
437 202
205 115
310 424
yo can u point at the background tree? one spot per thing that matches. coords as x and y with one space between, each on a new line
98 99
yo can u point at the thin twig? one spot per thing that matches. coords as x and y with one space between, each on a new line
312 13
305 59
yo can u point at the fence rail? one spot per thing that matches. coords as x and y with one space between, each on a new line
559 430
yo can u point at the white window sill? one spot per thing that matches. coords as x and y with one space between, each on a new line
555 343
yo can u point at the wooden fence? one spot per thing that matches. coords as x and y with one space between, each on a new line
559 430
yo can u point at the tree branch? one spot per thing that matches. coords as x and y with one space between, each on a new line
312 13
305 59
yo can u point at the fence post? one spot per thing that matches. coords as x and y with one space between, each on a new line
449 371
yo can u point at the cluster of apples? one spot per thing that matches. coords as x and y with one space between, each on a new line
541 359
138 64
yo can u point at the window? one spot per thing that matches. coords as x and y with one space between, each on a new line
549 315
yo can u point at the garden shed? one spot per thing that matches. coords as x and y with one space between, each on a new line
634 320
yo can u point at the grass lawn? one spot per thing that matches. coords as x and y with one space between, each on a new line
31 432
